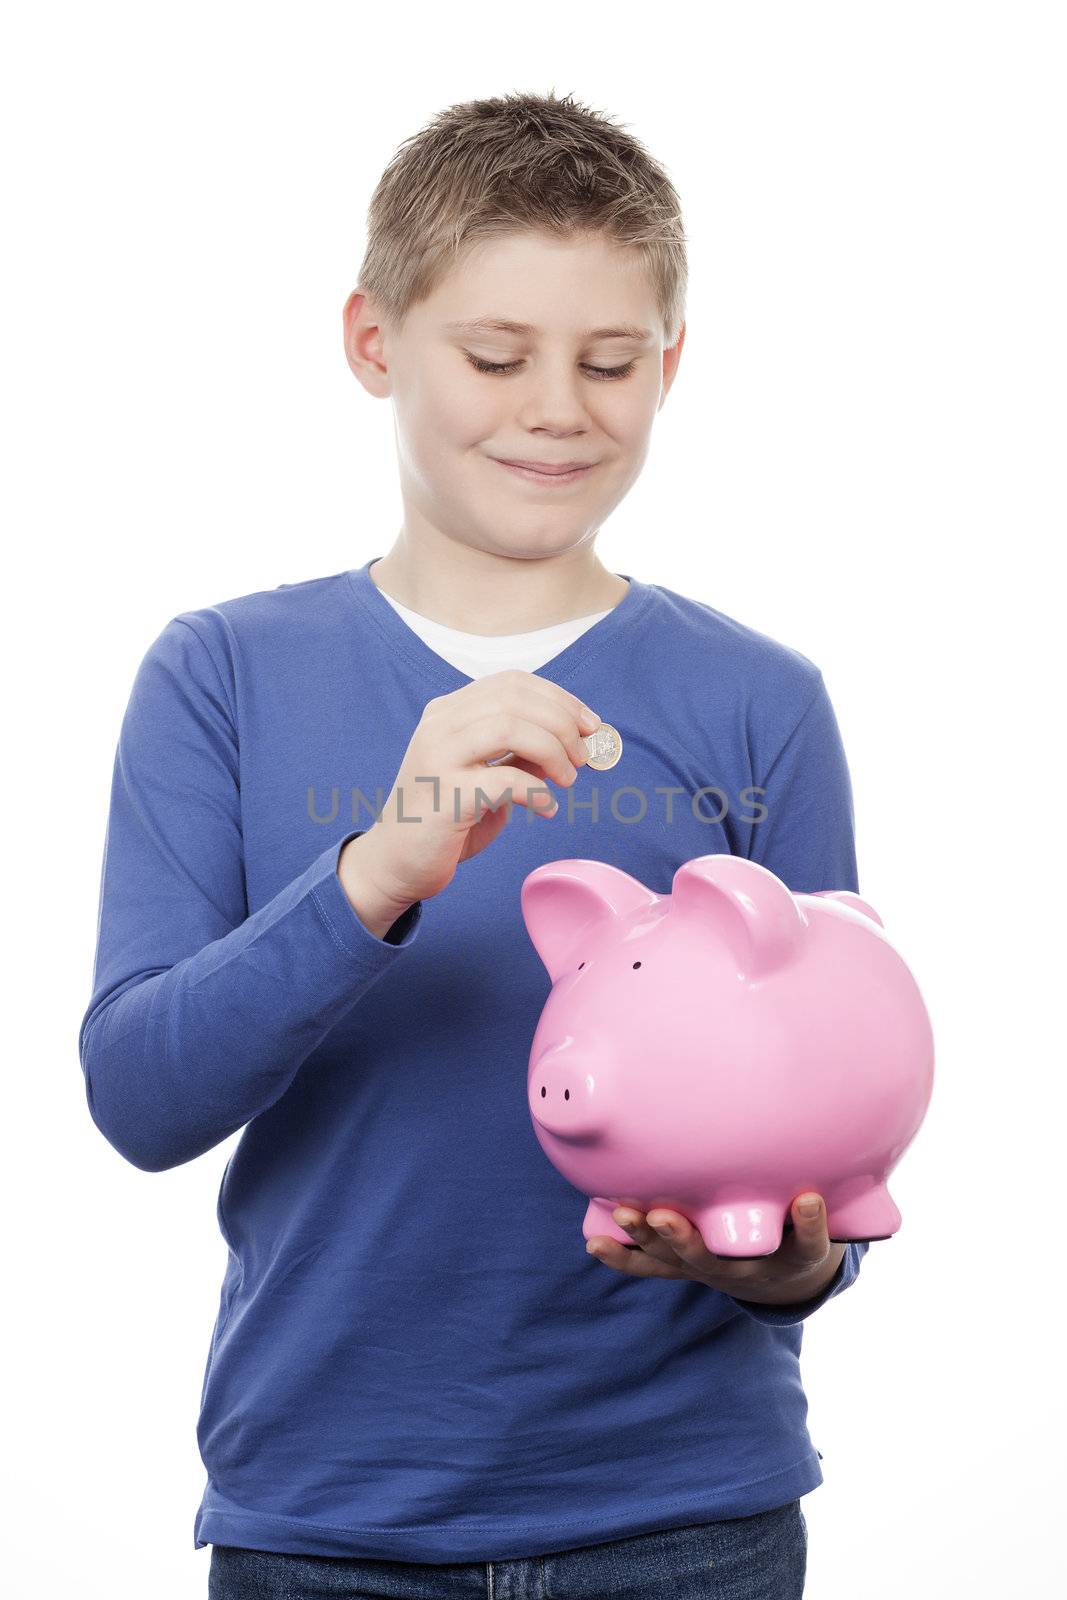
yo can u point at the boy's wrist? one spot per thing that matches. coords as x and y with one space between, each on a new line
374 906
799 1295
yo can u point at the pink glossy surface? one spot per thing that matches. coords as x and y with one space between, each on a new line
719 1049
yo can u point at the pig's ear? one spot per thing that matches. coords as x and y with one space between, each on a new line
848 898
745 904
565 904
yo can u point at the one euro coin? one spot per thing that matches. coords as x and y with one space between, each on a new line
604 747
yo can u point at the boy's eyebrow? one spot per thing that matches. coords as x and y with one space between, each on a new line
504 325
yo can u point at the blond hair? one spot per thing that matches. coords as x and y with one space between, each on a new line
482 169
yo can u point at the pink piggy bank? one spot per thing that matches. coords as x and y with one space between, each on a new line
720 1049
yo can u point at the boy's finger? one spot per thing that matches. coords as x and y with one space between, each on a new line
642 1233
810 1241
635 1261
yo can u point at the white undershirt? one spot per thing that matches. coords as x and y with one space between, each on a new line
479 653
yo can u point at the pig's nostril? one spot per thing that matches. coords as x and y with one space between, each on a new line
636 965
566 1094
544 1091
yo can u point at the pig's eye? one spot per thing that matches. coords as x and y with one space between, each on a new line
636 965
581 964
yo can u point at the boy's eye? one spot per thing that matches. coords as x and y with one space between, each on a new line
511 366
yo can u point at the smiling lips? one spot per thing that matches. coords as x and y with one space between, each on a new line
546 471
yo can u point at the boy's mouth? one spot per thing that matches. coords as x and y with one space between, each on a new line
542 472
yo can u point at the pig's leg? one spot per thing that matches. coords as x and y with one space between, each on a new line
741 1228
598 1219
871 1215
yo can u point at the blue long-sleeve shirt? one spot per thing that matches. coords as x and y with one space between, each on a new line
414 1356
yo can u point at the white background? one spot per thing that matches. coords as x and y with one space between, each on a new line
863 456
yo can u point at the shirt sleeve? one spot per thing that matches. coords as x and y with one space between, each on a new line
808 840
807 837
788 1316
201 1015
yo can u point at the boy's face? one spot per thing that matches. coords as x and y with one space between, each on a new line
455 425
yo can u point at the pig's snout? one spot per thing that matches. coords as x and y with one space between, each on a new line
566 1097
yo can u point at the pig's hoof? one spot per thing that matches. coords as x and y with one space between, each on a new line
871 1215
599 1219
747 1228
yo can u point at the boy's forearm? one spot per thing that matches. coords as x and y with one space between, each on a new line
181 1057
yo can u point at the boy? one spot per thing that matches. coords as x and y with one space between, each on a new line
310 928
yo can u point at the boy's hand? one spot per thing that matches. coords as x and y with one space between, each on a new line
799 1269
439 810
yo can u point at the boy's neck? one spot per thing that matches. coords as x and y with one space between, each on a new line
467 589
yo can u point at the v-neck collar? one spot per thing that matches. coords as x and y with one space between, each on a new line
418 653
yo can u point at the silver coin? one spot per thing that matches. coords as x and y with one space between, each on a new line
604 747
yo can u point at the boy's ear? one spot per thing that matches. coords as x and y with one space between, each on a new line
671 358
364 348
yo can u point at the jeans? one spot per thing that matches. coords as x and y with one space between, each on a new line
762 1557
